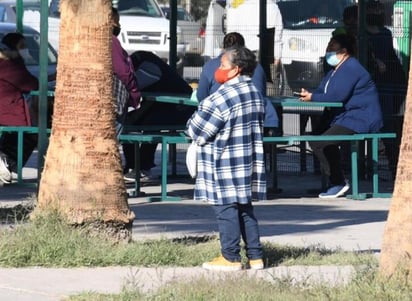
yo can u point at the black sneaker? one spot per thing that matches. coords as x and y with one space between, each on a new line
130 176
145 177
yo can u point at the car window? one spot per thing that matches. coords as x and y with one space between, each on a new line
33 44
183 15
29 7
147 8
2 13
302 14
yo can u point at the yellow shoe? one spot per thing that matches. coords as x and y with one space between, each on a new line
221 264
256 264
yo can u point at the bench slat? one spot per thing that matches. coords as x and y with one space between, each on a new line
173 138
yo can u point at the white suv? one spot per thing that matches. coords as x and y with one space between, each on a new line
144 27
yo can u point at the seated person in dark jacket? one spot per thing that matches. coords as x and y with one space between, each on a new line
350 83
162 79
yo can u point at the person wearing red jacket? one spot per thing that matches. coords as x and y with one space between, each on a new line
15 81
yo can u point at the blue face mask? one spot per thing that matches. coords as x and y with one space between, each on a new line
331 58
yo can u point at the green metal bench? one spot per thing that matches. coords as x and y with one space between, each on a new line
354 140
137 139
158 129
20 130
167 140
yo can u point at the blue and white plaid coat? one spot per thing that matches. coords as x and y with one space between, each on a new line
228 128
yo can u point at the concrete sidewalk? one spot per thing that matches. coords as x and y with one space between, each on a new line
296 217
40 284
341 223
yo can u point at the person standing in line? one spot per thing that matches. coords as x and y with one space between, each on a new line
15 80
228 127
350 21
208 84
350 83
125 88
390 79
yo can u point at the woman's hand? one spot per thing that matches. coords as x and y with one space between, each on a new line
305 95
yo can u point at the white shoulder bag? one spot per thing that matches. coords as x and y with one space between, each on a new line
191 159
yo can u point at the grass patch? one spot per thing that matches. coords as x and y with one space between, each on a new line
50 242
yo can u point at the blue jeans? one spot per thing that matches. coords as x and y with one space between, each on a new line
235 221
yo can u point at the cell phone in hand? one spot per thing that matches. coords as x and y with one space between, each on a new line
297 94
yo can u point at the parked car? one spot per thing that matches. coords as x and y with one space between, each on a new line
144 27
307 28
193 32
31 17
32 37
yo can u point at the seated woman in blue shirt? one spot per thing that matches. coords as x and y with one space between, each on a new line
350 83
208 84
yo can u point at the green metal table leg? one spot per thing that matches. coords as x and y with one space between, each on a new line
375 176
354 160
355 180
164 196
274 168
137 185
173 158
20 156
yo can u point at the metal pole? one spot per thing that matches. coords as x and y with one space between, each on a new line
19 15
42 136
188 6
362 37
173 34
262 31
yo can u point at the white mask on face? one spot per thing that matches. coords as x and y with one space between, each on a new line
24 53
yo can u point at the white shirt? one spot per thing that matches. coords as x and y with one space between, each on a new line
243 17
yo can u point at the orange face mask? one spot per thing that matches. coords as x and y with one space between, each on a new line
221 75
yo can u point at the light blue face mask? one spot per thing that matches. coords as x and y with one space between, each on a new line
331 58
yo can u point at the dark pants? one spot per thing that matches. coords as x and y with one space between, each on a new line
392 93
9 148
392 124
153 113
329 156
235 221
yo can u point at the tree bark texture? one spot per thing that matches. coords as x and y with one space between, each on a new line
82 176
397 241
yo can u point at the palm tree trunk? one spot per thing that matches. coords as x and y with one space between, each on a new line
82 177
397 241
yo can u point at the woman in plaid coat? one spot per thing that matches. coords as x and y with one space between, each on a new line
228 128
